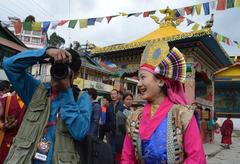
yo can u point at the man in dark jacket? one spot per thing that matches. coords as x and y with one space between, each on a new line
112 109
96 112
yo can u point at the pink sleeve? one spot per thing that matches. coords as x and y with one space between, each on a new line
193 147
128 155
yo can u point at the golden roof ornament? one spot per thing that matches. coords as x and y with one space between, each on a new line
209 23
169 20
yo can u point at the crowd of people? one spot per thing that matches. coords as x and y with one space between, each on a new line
41 122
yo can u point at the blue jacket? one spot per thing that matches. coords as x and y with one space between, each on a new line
96 115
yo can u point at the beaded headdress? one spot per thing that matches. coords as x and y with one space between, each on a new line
158 59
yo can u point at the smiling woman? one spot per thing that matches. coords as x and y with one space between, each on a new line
165 130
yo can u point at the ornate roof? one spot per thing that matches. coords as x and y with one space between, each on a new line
167 33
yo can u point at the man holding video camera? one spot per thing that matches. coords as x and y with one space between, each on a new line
54 118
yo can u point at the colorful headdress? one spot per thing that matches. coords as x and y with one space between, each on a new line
159 60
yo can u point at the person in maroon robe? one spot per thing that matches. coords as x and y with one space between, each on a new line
10 125
226 131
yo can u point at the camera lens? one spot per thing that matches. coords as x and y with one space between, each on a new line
59 71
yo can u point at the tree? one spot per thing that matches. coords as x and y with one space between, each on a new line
30 18
55 40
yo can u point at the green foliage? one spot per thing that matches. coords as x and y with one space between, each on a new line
30 18
55 40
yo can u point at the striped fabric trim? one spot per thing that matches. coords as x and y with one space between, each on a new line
170 143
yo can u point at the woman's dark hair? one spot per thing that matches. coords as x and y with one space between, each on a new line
164 87
4 84
126 95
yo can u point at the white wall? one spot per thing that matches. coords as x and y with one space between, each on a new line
2 75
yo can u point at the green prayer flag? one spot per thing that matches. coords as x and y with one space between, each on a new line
27 26
230 3
224 39
195 27
72 23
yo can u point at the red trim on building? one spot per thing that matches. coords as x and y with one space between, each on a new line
11 44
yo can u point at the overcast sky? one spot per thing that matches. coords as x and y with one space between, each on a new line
120 29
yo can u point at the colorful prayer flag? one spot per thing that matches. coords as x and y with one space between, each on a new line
227 41
91 21
213 5
238 44
230 4
45 26
221 5
181 11
177 13
109 18
188 10
237 3
99 19
137 14
54 25
198 9
18 27
219 37
206 8
72 23
215 34
6 24
129 15
83 23
189 22
195 26
62 22
152 12
146 14
224 38
36 26
27 26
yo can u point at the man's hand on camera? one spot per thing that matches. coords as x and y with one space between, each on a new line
59 55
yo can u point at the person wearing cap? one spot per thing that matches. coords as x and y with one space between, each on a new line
55 118
165 130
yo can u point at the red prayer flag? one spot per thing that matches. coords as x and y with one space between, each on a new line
188 10
228 41
18 27
221 5
62 22
109 18
146 14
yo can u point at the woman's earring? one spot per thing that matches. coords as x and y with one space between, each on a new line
160 85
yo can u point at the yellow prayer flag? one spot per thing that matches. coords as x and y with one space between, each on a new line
195 26
238 45
198 9
83 23
219 37
36 26
237 3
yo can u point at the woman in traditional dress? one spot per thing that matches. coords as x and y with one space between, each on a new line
165 130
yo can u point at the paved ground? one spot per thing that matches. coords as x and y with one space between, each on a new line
217 155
